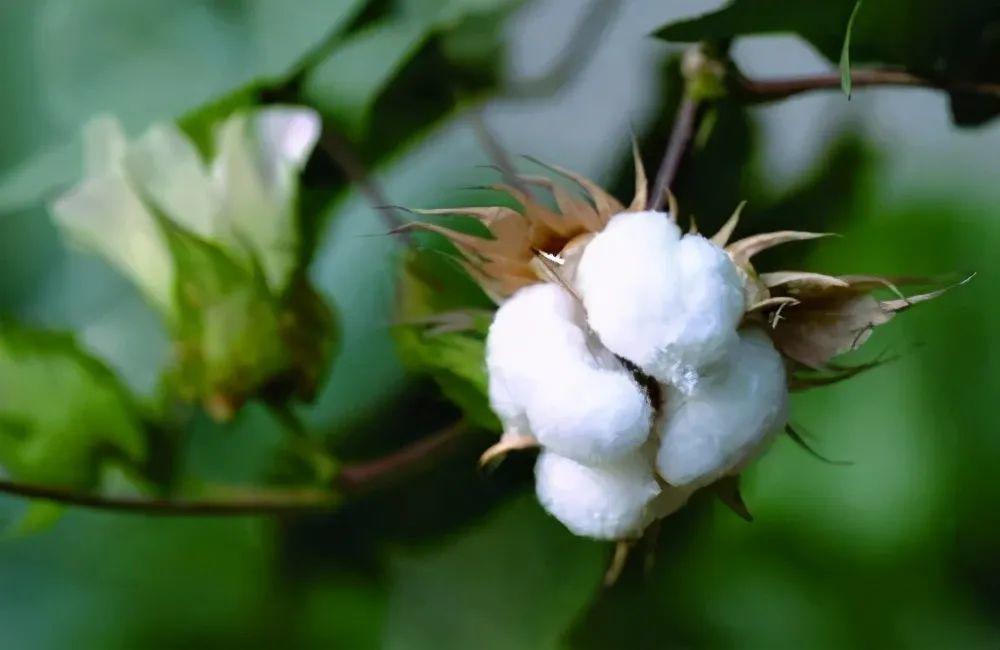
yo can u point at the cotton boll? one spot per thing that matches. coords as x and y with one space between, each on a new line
550 378
609 501
727 419
590 414
669 304
627 281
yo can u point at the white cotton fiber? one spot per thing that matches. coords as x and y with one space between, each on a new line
727 419
551 378
609 501
669 304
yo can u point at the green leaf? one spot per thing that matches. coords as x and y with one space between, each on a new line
37 517
845 54
359 69
61 412
347 82
147 62
938 39
432 288
516 580
456 361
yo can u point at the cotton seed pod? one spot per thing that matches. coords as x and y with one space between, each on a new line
550 378
728 419
669 304
610 501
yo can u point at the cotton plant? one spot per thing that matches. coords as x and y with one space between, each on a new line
213 243
645 363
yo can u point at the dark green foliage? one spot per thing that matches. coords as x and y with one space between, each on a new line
949 42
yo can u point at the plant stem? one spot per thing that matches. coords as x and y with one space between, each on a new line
352 480
373 474
767 90
685 124
341 152
258 502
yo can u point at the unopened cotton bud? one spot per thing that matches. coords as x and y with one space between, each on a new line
667 303
551 378
609 501
727 420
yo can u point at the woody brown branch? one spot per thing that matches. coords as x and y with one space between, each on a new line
766 90
352 480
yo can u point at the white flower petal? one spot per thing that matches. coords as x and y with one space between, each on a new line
257 161
550 378
103 145
610 501
286 135
669 304
728 419
104 214
168 168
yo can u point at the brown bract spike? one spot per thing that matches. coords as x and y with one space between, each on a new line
800 280
814 317
607 205
509 441
508 259
830 319
721 238
743 250
641 182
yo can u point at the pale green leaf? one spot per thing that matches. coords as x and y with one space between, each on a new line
61 411
517 580
845 53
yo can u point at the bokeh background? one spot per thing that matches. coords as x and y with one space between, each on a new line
900 549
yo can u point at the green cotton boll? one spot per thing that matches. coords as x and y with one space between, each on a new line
235 337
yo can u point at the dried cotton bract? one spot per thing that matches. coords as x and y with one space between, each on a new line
645 363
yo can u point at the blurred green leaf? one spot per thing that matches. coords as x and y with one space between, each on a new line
346 83
938 39
517 580
150 61
38 516
61 411
437 296
457 362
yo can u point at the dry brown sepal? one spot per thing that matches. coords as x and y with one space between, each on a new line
814 317
529 244
619 557
509 441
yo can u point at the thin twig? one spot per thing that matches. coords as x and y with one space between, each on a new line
685 124
766 90
501 159
377 473
258 502
352 480
341 152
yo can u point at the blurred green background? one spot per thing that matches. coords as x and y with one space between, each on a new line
900 549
